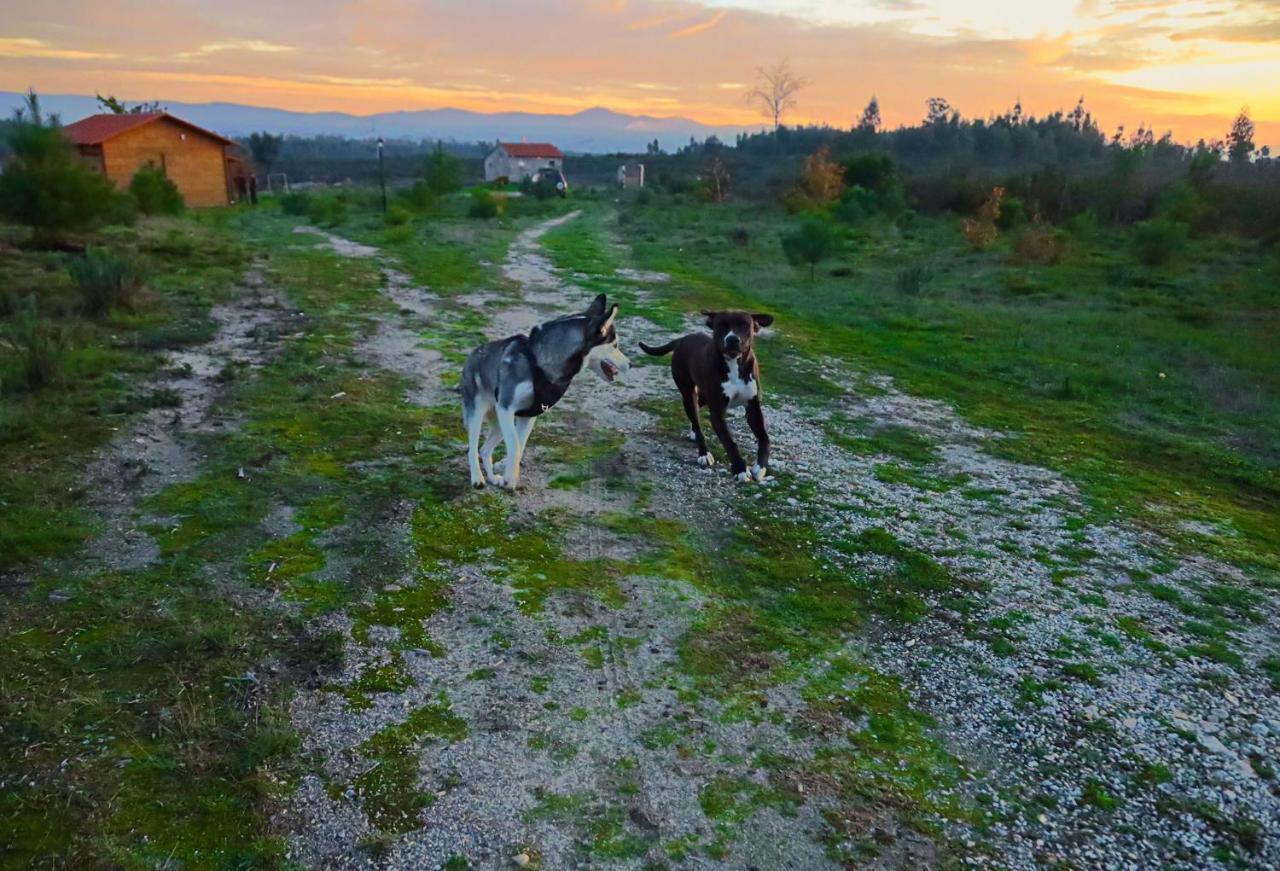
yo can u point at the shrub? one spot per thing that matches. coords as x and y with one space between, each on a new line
643 197
397 215
1012 214
419 198
740 236
327 211
874 172
105 280
46 187
37 342
1158 241
820 182
911 280
155 193
981 229
297 203
442 172
856 205
1040 245
810 243
484 205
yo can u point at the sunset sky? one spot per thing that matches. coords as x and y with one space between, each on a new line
1186 66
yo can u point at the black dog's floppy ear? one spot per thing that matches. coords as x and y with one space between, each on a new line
761 320
597 307
711 316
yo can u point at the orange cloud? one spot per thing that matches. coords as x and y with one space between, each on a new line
695 29
1151 62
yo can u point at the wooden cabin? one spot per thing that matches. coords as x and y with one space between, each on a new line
193 158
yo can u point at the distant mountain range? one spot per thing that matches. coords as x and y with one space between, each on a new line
592 130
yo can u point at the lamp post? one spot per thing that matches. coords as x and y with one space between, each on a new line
382 175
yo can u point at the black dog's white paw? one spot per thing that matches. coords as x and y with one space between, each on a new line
706 460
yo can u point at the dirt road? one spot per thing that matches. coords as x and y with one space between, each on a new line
567 712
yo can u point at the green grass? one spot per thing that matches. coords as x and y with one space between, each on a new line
1160 395
46 434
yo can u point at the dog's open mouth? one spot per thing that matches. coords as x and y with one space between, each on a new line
609 370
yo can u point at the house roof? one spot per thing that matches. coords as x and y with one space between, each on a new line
97 129
531 149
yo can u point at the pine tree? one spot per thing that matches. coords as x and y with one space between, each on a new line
870 121
1240 140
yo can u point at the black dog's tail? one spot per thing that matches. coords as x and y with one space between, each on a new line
660 350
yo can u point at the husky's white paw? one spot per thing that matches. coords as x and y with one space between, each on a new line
743 477
706 460
759 473
478 483
497 480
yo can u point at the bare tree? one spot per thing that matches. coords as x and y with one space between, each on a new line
775 91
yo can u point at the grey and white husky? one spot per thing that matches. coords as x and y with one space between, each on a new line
518 378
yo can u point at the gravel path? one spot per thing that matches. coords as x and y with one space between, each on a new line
1097 735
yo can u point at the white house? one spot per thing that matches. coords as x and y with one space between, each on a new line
516 161
631 175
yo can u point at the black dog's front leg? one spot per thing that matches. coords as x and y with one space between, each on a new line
695 427
755 419
737 465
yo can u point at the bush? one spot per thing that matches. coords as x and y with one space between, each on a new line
1158 241
155 193
911 279
38 343
297 204
873 172
1012 214
856 205
484 205
397 215
46 187
419 198
1040 245
740 236
442 172
981 230
813 241
327 211
105 280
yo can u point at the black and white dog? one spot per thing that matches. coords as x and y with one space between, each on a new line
516 379
721 372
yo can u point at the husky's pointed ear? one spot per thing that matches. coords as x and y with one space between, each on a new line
597 306
602 324
710 316
761 320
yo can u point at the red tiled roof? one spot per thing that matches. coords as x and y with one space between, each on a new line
531 149
97 129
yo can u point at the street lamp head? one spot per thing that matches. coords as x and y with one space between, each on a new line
380 143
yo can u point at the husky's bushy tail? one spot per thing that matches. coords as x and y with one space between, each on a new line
660 350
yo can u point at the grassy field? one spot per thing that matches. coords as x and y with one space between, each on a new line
325 553
1157 389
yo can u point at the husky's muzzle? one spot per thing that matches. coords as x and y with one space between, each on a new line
608 362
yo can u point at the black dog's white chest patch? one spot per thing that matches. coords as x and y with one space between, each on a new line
737 389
